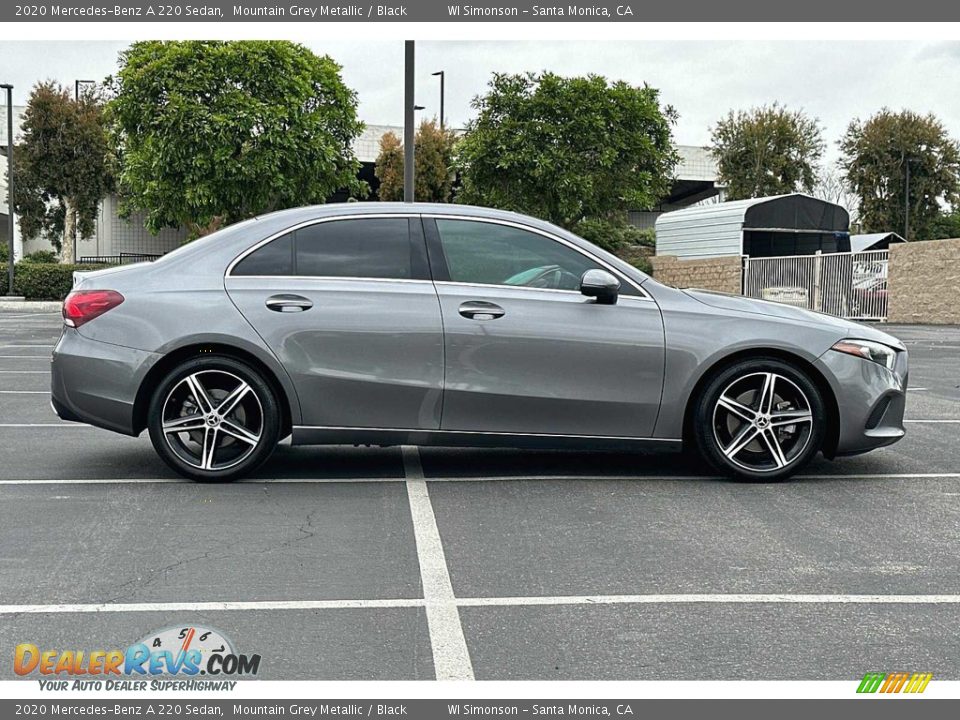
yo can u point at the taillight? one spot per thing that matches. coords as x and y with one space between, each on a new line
82 306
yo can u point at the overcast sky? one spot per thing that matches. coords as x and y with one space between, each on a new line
832 81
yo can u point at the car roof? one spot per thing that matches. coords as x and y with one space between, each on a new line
377 208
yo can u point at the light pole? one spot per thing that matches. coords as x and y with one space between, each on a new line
442 76
906 204
409 105
9 89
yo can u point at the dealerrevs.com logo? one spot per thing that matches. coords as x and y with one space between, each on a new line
174 652
897 682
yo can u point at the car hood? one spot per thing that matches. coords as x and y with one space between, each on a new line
740 304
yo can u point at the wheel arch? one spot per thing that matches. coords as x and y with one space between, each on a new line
832 431
172 359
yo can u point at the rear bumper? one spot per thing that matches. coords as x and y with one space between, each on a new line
96 382
870 400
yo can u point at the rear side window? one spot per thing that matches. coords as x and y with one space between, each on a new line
274 258
367 248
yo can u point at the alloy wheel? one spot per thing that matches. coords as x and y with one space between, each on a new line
762 422
212 420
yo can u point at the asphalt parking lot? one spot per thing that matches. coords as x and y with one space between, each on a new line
359 563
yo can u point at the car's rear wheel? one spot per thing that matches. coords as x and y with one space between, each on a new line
214 419
760 419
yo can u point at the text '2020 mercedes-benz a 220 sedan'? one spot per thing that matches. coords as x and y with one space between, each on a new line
416 324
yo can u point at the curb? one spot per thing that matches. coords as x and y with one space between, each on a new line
37 306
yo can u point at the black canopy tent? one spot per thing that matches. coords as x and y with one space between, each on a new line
795 225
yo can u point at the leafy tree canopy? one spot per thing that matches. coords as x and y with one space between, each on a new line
564 149
209 133
433 162
61 165
875 158
767 150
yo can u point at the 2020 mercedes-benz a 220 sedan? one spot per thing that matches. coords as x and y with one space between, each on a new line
451 325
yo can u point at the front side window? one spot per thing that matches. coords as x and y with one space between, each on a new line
364 248
491 254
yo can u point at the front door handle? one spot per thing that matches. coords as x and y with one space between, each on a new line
288 303
480 310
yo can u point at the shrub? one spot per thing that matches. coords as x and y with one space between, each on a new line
4 252
614 235
627 242
46 281
40 256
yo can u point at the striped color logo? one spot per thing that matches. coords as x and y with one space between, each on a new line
898 682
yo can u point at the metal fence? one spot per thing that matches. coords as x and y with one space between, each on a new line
849 285
121 259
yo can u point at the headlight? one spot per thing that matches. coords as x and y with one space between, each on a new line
869 350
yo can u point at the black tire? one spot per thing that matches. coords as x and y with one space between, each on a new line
256 412
728 425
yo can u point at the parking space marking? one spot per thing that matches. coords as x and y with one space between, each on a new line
211 606
515 601
26 372
451 659
486 478
952 421
725 598
24 392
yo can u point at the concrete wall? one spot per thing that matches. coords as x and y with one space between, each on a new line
723 274
924 283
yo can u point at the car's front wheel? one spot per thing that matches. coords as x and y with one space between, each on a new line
759 419
214 419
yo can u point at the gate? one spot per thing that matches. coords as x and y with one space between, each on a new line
849 285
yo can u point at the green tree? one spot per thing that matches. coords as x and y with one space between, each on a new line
564 149
767 150
433 162
209 133
61 166
876 154
947 225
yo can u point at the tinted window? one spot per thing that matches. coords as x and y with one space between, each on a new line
490 254
274 258
370 248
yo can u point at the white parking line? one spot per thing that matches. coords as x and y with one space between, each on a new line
515 601
24 357
951 421
24 392
451 659
488 478
25 372
207 606
690 598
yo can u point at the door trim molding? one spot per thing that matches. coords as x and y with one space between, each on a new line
339 435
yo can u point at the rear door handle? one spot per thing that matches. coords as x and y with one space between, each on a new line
288 303
480 310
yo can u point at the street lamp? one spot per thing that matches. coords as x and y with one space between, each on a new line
906 203
77 84
442 76
9 89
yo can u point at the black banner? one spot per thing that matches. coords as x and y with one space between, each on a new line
479 11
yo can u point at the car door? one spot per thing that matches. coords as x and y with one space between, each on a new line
348 307
525 351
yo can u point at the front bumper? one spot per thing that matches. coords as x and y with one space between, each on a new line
97 382
870 400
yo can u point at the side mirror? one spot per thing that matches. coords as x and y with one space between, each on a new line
601 285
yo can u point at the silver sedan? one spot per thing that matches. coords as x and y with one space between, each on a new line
449 325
